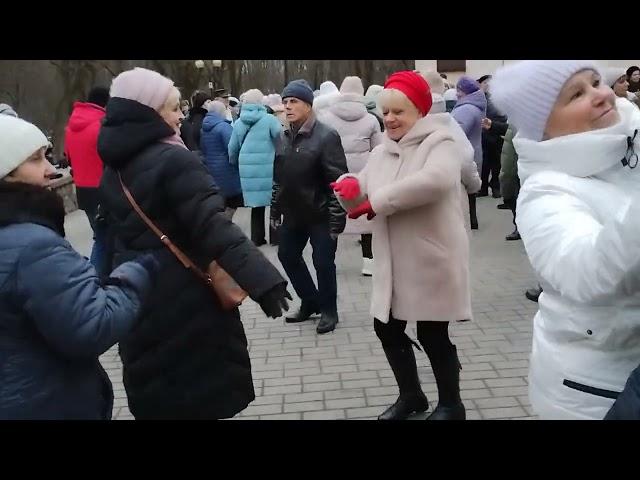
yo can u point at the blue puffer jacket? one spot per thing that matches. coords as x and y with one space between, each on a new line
253 147
216 132
55 316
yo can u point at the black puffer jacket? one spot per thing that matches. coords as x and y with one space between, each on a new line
305 164
195 118
187 358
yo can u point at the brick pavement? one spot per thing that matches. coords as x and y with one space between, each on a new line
344 374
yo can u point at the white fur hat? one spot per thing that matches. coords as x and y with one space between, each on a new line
18 141
352 85
527 91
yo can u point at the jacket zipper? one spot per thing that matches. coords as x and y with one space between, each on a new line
599 392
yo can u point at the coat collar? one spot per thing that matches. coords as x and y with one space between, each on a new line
423 128
307 127
24 203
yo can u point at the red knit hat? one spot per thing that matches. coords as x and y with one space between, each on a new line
414 86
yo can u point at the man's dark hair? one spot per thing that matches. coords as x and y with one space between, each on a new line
98 96
199 98
443 75
483 78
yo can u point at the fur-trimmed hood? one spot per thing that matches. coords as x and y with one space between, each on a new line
24 203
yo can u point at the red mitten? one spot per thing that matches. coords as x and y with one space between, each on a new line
364 207
348 188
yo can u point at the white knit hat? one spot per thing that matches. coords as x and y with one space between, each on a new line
253 96
352 85
327 88
612 74
18 141
373 91
526 91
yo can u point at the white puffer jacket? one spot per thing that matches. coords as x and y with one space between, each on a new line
579 217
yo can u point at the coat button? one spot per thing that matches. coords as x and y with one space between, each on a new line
589 332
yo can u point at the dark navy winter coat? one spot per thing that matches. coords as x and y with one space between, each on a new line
55 316
214 142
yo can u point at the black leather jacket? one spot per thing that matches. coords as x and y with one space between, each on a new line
306 163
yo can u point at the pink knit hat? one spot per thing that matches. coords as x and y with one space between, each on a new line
143 86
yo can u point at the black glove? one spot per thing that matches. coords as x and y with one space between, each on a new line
150 262
274 301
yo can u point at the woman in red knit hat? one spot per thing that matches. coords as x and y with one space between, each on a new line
410 188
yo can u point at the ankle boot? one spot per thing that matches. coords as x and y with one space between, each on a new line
412 399
446 369
307 310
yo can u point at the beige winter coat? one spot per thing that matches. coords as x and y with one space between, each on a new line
421 271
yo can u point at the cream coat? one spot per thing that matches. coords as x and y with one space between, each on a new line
421 272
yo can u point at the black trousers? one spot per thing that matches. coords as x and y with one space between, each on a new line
258 230
491 151
365 240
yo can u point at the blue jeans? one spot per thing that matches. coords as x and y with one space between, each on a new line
293 239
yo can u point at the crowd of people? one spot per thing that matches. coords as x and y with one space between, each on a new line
398 165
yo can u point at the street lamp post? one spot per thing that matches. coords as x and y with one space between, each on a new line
215 64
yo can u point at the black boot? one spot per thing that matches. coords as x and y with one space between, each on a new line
515 235
327 323
446 369
533 294
473 217
307 310
412 399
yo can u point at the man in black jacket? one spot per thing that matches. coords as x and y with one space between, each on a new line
494 127
308 158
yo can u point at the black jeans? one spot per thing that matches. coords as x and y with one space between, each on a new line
365 240
293 239
491 151
257 228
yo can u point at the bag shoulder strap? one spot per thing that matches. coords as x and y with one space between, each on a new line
179 254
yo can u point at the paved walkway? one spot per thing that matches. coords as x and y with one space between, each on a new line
344 374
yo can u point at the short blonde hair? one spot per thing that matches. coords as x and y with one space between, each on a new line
390 98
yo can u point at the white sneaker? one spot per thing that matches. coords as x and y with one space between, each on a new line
367 267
